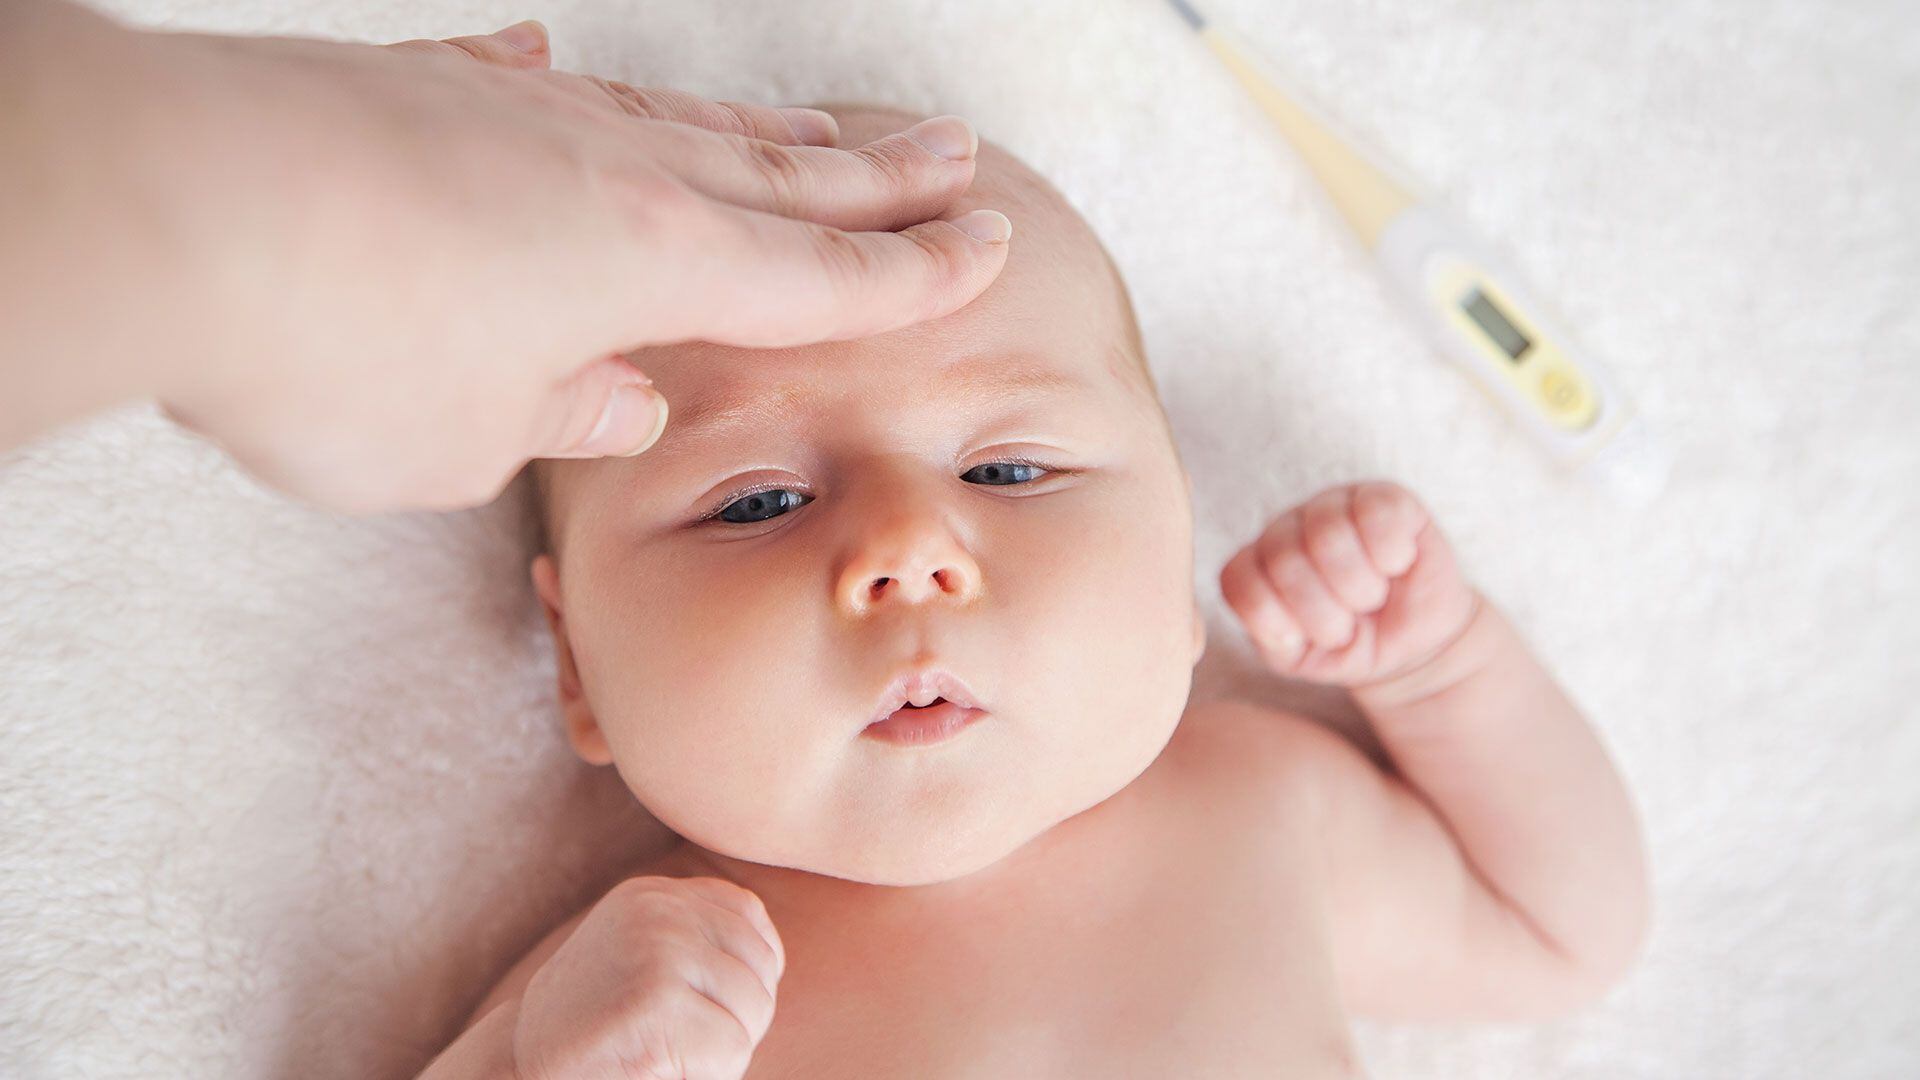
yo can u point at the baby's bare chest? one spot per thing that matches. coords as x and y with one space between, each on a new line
1183 997
1154 951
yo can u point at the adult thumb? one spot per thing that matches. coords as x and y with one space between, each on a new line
607 409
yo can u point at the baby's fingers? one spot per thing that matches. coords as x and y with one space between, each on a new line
1282 557
723 979
1333 545
746 905
1389 520
1271 626
709 1040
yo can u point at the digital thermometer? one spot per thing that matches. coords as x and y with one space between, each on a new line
1472 307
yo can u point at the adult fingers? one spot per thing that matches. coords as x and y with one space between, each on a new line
522 45
786 126
890 183
768 281
607 408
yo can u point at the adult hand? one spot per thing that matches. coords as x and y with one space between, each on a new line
385 277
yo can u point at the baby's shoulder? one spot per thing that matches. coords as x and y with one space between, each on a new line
1244 764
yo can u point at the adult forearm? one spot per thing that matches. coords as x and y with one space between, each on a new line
1526 787
91 279
482 1052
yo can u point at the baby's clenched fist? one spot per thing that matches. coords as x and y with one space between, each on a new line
665 979
1353 586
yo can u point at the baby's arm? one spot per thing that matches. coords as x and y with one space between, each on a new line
1497 872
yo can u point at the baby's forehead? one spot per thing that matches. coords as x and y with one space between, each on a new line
1056 313
1055 328
940 373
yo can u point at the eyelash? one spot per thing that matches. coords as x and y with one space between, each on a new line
713 513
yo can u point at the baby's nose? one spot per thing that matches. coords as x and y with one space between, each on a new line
920 566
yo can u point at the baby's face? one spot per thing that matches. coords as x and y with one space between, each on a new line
993 495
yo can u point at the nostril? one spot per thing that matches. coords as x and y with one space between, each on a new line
944 582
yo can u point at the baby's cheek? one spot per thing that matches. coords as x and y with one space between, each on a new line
1110 634
690 692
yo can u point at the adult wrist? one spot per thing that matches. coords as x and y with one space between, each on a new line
482 1052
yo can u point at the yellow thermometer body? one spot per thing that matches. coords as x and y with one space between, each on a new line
1475 310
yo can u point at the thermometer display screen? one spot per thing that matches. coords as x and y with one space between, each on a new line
1495 324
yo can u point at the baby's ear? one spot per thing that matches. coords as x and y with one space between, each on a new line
583 731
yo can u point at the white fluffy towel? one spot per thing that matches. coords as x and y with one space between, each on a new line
281 793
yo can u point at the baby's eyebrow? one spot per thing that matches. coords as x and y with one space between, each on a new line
716 411
712 412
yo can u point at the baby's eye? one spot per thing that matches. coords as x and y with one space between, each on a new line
1002 473
762 505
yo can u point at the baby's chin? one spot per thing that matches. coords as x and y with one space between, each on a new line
933 860
958 841
922 868
901 855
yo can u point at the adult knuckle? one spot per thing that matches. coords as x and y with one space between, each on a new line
733 118
650 201
781 172
944 272
468 46
632 100
849 265
891 165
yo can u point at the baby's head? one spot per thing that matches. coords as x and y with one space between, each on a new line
994 494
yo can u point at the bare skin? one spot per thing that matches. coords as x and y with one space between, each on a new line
1174 930
385 277
1098 878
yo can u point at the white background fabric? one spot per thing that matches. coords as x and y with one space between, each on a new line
282 793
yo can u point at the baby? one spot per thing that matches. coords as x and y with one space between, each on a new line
897 635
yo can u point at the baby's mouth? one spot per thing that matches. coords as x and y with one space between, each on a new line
923 706
920 725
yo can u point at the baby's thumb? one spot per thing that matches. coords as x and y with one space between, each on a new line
607 409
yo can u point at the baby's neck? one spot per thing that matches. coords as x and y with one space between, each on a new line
785 889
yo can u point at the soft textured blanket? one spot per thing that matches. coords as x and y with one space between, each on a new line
282 793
